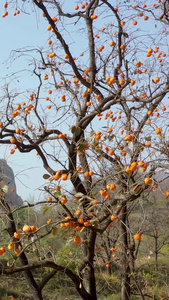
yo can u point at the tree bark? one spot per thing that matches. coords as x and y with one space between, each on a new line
125 265
87 270
156 253
11 228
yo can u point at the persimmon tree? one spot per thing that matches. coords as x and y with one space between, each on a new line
96 116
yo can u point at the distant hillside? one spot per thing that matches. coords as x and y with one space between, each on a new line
7 175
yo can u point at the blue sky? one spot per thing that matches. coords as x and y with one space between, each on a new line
16 32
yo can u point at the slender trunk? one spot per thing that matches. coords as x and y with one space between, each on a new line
88 271
109 272
156 253
125 266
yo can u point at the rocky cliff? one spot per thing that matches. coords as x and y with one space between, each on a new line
7 175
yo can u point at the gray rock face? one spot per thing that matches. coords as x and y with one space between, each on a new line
7 175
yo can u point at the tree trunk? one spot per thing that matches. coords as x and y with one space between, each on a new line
11 228
156 253
88 268
125 265
33 287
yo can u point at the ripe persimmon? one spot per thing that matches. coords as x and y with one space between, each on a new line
123 153
150 113
114 249
78 212
137 236
121 82
78 228
110 130
93 17
111 152
167 193
122 23
123 47
64 176
10 246
49 199
54 19
101 48
57 175
17 251
13 140
111 186
17 130
17 235
129 137
146 18
81 220
49 221
133 166
158 130
2 250
63 200
95 202
69 223
87 223
132 82
33 228
79 168
77 239
66 56
147 144
49 27
112 43
128 169
113 218
91 173
156 79
12 151
103 193
5 14
84 95
148 180
150 50
138 64
26 228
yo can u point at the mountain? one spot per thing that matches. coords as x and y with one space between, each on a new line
7 175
